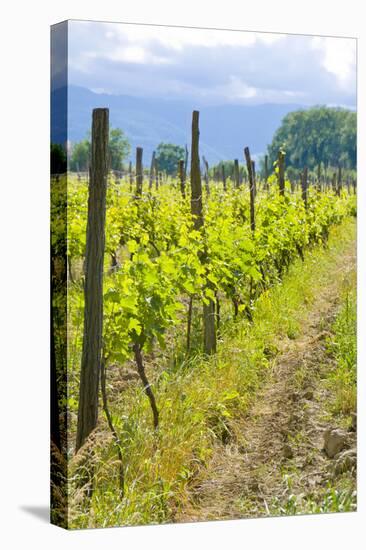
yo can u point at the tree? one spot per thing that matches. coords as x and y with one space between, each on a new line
79 161
58 159
320 135
119 149
167 156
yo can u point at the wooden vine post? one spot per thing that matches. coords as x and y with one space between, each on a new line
339 180
281 172
334 182
93 288
152 170
251 187
304 186
196 184
266 172
319 185
236 173
156 173
186 163
139 172
223 176
254 178
209 329
206 176
182 179
130 176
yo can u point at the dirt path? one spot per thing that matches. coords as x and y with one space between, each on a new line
279 451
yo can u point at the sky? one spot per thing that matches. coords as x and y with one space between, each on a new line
212 67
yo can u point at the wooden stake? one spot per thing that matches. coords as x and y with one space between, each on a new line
251 187
281 172
93 288
139 172
236 173
182 178
304 186
339 182
209 329
152 169
223 176
266 172
130 175
196 184
206 176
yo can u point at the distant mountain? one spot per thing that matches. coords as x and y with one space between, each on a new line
224 129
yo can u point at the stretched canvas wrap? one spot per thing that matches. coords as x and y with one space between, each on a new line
203 274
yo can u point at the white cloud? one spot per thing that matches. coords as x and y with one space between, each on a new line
177 38
212 66
135 54
236 89
338 58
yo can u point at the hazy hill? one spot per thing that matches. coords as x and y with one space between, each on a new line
224 129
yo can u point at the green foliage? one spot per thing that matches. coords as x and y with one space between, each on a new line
167 157
343 346
317 135
145 301
79 161
200 399
119 149
162 252
229 170
58 159
330 500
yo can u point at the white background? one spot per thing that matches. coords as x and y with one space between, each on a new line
24 302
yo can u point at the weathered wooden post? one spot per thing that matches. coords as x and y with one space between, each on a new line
93 287
196 184
209 329
139 172
130 175
251 187
334 182
186 163
325 176
236 173
207 186
254 178
318 183
152 169
339 181
156 173
223 176
304 186
266 172
182 178
281 172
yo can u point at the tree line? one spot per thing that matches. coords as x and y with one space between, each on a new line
319 136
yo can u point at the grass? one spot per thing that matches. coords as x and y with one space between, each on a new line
200 401
328 500
343 347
